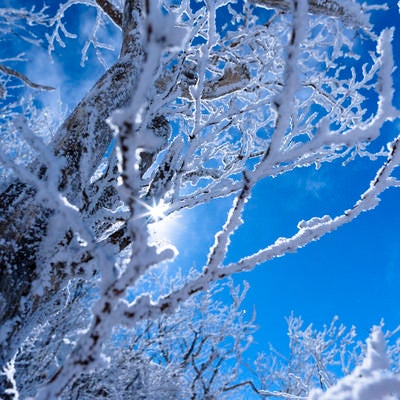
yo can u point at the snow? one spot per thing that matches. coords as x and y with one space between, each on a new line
370 381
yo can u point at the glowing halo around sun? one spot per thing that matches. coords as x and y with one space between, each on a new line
154 212
164 228
157 211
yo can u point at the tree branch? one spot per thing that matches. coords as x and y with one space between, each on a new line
111 11
315 228
23 78
24 220
331 8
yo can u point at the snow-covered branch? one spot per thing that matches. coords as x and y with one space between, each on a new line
350 12
315 228
109 8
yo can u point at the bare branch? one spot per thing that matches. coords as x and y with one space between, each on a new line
331 8
111 11
22 77
264 393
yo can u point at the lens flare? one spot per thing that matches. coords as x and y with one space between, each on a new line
157 211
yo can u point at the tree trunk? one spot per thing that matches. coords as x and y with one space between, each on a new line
81 141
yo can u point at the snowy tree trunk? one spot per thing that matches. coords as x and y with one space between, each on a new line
81 143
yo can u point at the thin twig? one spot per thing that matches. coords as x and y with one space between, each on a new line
22 77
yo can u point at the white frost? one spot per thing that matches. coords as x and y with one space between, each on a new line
370 381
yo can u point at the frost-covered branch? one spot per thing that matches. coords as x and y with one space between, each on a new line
23 78
329 363
129 123
349 12
369 381
315 228
9 373
111 11
308 231
20 21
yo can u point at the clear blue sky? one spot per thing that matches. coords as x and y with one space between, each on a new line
353 273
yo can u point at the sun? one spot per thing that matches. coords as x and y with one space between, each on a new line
163 226
157 211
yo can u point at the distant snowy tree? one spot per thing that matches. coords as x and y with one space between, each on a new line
331 364
205 100
195 353
371 380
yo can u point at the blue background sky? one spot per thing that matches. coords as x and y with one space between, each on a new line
353 273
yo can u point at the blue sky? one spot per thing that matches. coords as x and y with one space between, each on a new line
353 272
